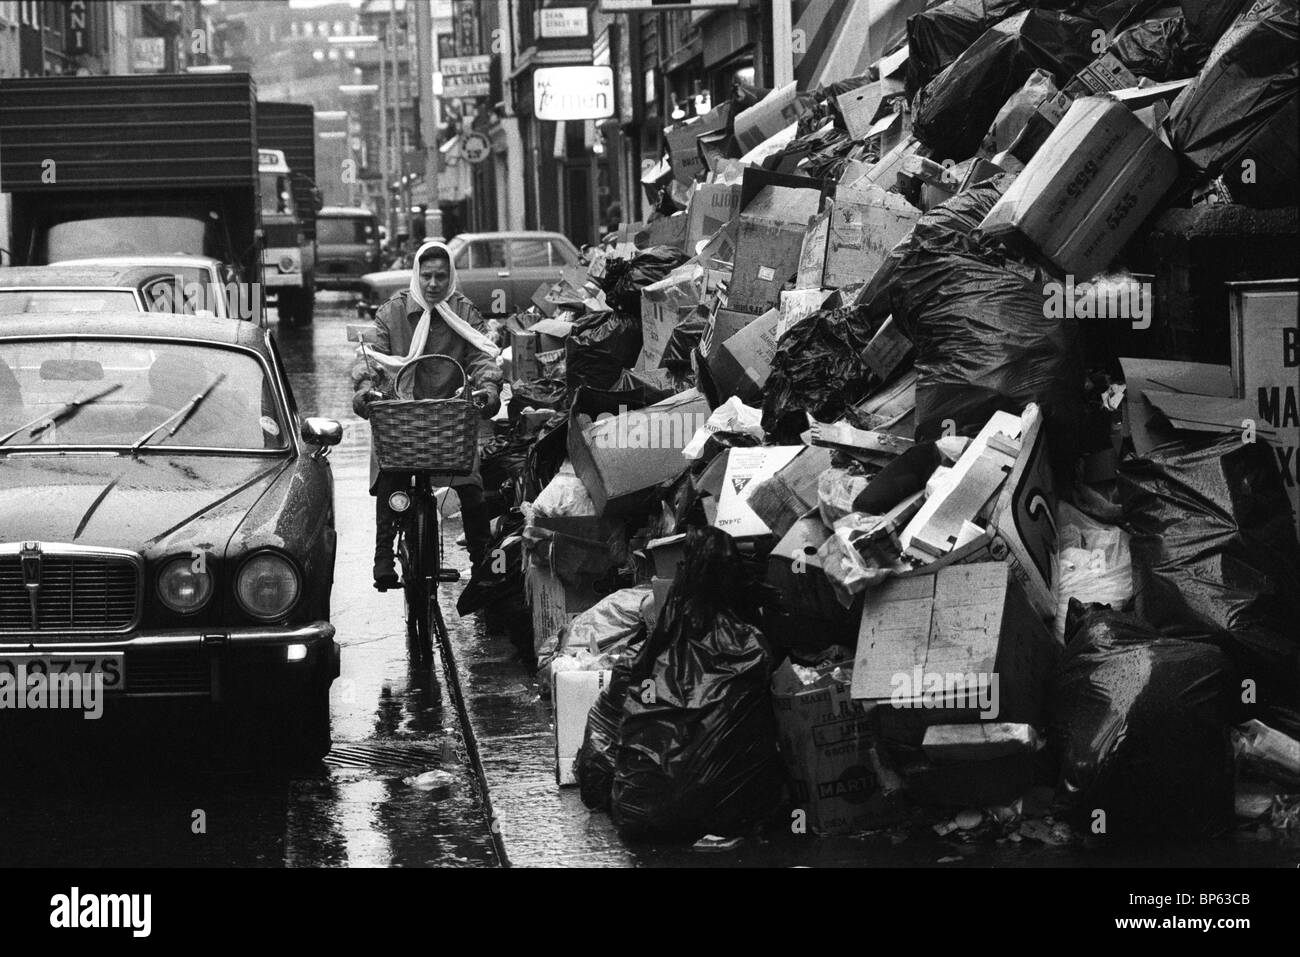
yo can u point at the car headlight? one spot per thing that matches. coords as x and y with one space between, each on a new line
287 264
181 588
267 586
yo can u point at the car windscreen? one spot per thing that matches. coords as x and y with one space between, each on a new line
15 302
344 231
130 389
126 235
187 290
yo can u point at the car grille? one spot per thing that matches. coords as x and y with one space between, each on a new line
78 593
168 673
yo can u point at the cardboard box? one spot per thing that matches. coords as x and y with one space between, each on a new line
746 467
957 743
964 620
745 360
723 324
1264 323
768 245
826 741
780 501
860 107
712 206
866 223
886 350
1085 192
1102 75
533 350
795 569
767 117
812 251
683 150
669 231
665 305
622 456
573 693
553 603
796 306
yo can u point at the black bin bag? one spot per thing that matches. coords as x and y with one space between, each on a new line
956 108
1139 722
1215 557
1243 107
697 749
594 766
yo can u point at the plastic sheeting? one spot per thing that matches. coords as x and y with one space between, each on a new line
1140 723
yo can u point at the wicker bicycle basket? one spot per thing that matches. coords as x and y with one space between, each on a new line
425 435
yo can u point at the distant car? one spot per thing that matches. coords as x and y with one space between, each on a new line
186 285
498 272
347 246
167 522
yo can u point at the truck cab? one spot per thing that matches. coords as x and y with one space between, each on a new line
288 256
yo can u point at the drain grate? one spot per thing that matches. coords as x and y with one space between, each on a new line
401 756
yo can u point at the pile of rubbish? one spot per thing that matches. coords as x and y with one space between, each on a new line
934 445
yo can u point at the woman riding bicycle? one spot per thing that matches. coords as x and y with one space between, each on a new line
429 318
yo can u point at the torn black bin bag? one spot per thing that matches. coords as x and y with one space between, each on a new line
697 750
1160 50
818 368
1215 556
594 766
1239 117
683 339
937 36
976 318
600 347
955 109
1140 724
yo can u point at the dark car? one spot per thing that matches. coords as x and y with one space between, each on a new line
167 520
498 272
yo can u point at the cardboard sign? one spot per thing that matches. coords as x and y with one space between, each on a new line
887 348
1264 323
573 693
1085 191
1102 75
812 253
825 738
746 468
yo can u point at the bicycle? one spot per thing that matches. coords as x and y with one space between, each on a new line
407 433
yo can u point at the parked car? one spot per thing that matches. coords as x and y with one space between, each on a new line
66 289
347 246
498 272
167 520
186 285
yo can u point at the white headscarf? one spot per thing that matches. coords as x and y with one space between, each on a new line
420 337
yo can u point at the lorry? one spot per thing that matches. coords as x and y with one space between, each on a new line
286 140
94 166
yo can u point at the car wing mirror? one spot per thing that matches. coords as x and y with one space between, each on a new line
320 432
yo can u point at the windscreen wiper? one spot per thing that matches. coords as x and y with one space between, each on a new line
180 416
68 409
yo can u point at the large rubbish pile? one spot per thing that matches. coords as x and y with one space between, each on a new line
934 444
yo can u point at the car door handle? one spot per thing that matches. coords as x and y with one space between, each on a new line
504 273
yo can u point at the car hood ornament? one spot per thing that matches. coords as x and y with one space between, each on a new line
30 556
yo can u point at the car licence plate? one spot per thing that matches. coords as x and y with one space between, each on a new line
111 666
